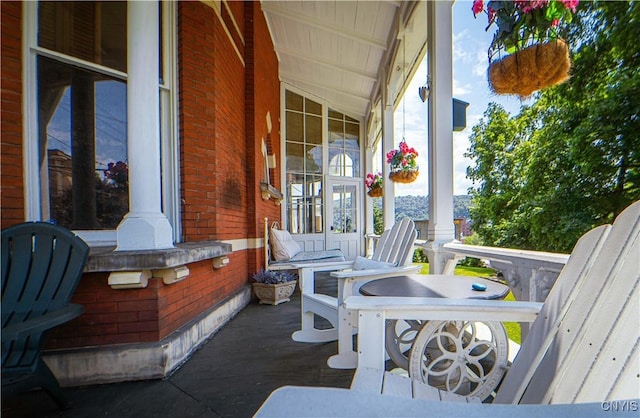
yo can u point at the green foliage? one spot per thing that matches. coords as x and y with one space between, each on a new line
419 256
471 262
571 160
378 222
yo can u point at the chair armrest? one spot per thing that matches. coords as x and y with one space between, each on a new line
41 323
376 273
323 266
446 309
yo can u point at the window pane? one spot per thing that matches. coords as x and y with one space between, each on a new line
314 159
344 209
312 107
295 157
336 131
92 31
313 129
83 137
295 130
293 101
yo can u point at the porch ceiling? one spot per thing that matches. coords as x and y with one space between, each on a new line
335 49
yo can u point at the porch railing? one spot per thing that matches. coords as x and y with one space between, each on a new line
530 274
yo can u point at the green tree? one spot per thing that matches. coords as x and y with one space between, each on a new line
571 160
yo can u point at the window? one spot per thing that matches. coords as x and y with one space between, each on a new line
82 120
304 162
309 156
344 145
78 61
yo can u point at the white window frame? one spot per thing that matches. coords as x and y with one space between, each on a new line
168 119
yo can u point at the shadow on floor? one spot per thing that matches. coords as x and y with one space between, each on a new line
230 376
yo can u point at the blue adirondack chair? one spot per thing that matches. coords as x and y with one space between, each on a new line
41 267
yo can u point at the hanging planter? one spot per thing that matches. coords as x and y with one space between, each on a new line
531 69
403 176
404 165
527 53
374 184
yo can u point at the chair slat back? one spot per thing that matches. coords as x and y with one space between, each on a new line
556 304
572 336
598 337
41 267
396 244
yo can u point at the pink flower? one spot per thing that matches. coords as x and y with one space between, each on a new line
570 4
528 6
555 23
404 148
390 155
404 163
477 7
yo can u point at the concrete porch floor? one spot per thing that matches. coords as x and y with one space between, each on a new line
230 376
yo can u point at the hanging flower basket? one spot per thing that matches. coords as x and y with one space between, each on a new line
403 176
404 165
374 184
531 69
527 53
375 192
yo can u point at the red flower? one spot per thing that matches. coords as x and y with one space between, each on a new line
477 7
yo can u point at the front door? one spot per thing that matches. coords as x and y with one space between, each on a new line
344 228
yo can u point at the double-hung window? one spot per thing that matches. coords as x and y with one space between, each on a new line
76 115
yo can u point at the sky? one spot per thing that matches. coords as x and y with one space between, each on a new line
470 44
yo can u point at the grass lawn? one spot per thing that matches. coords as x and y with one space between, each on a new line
513 328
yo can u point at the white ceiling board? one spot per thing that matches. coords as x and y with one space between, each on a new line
333 49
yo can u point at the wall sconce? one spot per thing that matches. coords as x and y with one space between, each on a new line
423 91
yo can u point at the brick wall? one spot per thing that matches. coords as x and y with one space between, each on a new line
11 169
263 95
222 121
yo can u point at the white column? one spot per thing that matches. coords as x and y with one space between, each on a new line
388 198
145 226
368 168
440 140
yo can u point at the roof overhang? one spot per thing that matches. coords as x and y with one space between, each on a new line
347 52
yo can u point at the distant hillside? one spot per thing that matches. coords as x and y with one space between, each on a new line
416 207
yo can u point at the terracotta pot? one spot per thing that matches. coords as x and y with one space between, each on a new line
531 69
274 294
403 176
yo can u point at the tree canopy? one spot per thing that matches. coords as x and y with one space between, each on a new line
571 160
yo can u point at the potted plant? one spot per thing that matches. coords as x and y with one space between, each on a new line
374 184
404 165
529 32
274 287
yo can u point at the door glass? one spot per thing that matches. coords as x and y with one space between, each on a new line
344 209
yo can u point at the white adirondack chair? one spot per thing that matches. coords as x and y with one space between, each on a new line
583 346
394 246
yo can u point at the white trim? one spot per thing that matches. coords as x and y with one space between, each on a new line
216 5
78 62
31 170
244 244
233 20
169 120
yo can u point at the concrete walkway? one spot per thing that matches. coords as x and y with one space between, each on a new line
230 376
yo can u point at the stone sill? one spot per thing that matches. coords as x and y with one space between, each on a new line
109 260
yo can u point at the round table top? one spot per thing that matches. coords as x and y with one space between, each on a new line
435 286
